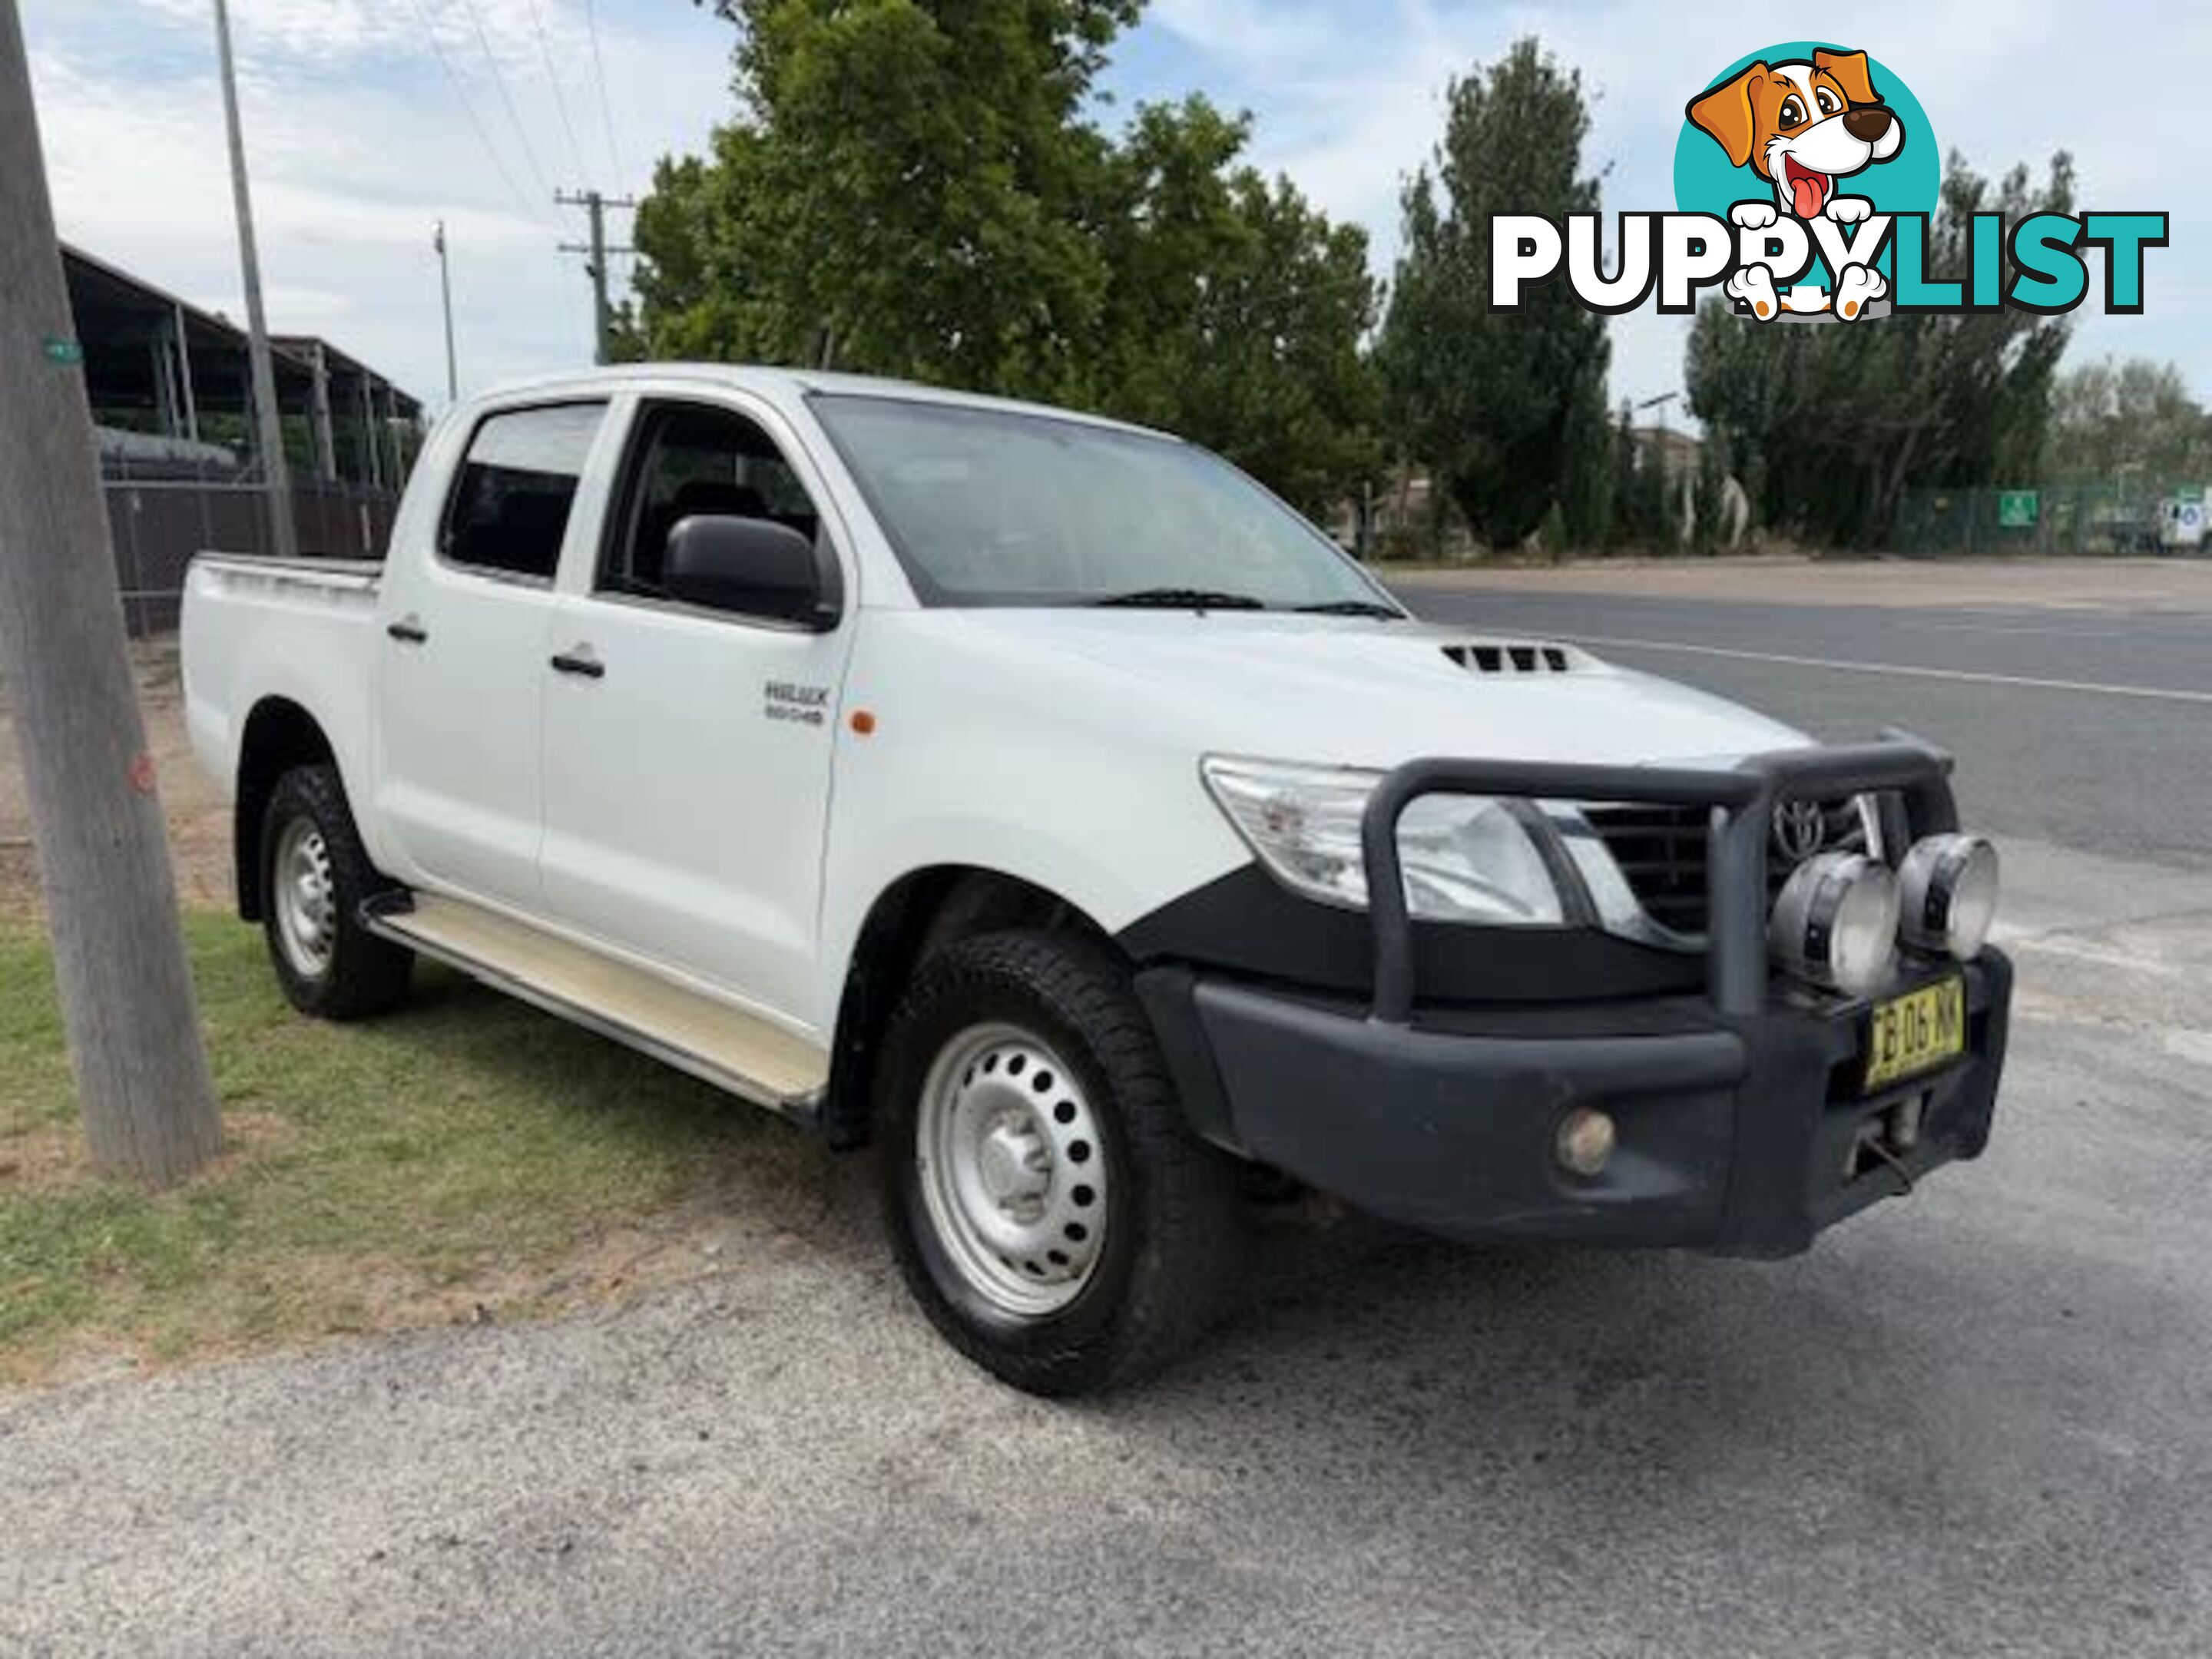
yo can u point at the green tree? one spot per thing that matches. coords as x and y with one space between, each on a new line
1236 310
1507 411
2129 423
1621 454
1661 502
1644 495
907 190
1838 422
912 188
1709 526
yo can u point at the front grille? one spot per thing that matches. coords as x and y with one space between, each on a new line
1660 851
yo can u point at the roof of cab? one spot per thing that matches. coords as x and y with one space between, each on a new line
763 378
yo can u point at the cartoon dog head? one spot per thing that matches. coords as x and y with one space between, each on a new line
1801 125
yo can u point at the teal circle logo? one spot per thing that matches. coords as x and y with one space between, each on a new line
1800 124
1706 179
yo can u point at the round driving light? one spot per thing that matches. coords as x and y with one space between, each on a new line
1948 891
1835 923
1585 1141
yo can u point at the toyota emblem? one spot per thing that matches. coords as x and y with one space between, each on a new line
1800 829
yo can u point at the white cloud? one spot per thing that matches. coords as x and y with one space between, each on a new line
1349 101
359 139
358 142
340 31
1253 32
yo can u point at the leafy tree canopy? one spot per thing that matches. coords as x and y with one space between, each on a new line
1838 422
2130 423
1507 410
915 188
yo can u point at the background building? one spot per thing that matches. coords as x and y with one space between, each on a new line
172 400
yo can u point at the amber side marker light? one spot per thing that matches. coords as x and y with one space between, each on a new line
864 722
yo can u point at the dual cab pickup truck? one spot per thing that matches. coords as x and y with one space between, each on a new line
1043 801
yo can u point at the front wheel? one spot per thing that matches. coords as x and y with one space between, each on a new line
1053 1214
315 875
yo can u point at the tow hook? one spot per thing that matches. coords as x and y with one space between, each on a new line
1888 1138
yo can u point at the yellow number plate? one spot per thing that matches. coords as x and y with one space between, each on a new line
1917 1032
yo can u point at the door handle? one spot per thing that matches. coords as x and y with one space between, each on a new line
579 661
408 630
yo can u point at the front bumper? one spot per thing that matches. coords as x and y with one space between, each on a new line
1743 1136
1742 1125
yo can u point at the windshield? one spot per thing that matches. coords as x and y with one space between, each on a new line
993 508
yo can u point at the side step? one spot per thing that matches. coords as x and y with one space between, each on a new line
726 1046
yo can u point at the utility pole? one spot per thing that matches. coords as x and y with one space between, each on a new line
126 992
1681 499
595 255
268 417
446 288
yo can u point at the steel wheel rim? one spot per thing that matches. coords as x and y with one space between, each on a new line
305 897
1012 1170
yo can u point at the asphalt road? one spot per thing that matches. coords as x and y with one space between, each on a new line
2092 729
1978 1421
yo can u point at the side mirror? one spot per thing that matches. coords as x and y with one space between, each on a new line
755 567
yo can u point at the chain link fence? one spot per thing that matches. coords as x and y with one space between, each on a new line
159 523
2074 519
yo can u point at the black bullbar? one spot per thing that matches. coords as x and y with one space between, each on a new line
1741 1125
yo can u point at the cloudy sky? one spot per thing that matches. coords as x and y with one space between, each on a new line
368 120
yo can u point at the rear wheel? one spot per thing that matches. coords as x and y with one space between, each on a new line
315 875
1055 1215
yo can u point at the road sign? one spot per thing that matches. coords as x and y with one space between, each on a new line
2016 509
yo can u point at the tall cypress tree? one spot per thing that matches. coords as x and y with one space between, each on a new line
1507 410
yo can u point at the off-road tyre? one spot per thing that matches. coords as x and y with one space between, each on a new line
1173 1232
355 974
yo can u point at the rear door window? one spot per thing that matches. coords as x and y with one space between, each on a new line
510 505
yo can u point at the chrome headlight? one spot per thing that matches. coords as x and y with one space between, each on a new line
1835 922
1949 884
1466 858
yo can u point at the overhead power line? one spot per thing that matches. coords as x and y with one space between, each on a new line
560 98
506 97
469 109
600 76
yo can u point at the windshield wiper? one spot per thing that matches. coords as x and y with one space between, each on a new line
1353 608
1183 598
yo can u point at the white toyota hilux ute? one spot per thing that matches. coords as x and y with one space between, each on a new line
1041 800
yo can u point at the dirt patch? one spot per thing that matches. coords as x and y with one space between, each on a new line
350 1295
198 817
52 1158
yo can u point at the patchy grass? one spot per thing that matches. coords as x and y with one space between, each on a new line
465 1158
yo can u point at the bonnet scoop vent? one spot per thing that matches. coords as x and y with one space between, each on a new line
1492 657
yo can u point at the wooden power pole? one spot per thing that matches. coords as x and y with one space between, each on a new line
596 254
126 991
